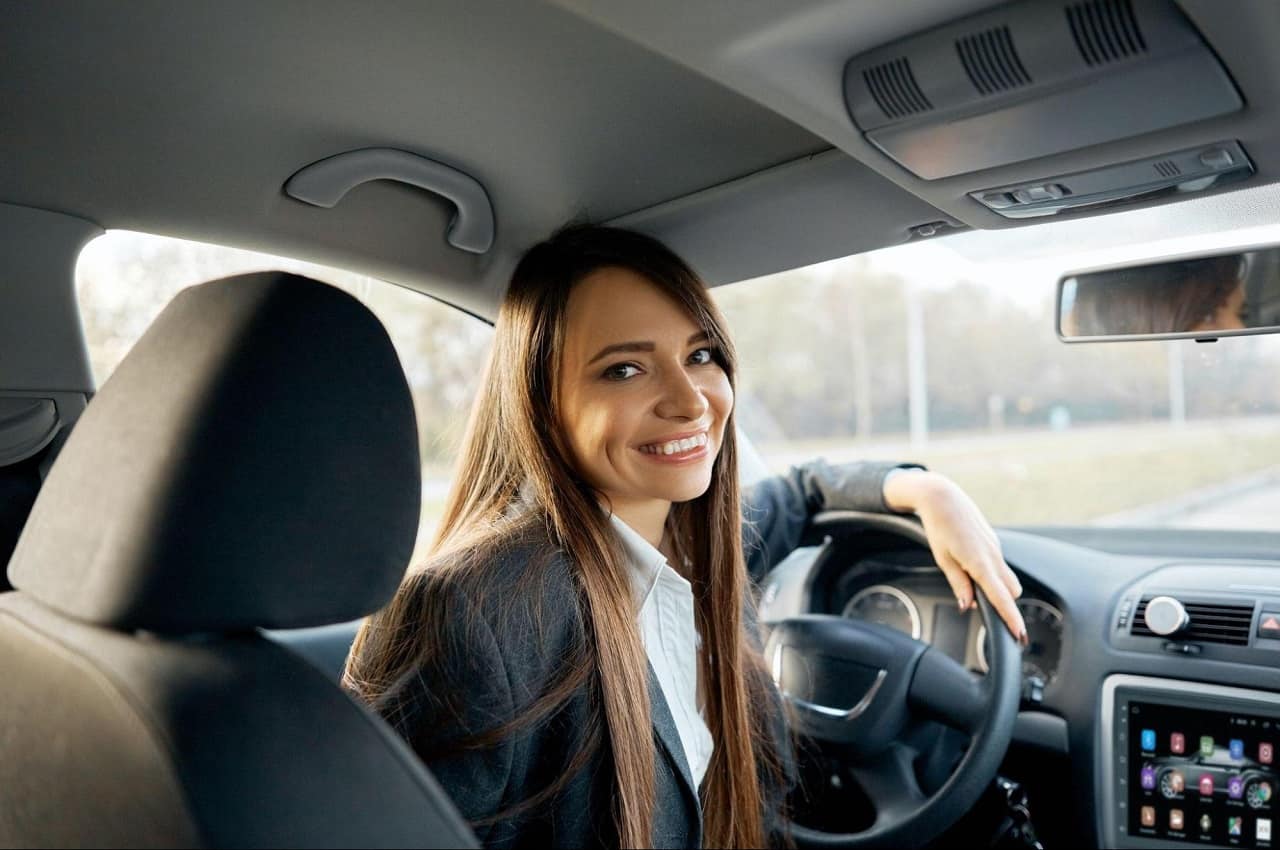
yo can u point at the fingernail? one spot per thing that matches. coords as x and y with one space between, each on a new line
1022 637
964 606
973 603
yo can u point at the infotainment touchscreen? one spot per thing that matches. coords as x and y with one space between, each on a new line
1201 776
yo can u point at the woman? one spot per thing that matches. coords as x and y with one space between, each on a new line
578 664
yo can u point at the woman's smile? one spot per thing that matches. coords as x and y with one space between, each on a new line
678 449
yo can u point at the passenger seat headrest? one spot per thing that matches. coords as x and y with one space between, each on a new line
253 462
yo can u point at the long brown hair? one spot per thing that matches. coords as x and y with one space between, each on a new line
1160 298
514 453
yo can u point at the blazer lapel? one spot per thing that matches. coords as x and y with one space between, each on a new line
664 728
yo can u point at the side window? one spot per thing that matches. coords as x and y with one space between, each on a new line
124 280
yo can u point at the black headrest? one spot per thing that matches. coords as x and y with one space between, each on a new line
252 462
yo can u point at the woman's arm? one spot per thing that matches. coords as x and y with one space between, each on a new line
963 543
776 510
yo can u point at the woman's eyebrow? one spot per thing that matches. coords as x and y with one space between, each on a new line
621 346
700 336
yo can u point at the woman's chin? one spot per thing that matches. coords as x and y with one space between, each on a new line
683 491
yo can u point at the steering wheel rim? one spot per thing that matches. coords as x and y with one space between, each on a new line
905 816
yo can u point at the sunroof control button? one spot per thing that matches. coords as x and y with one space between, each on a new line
1035 194
1217 158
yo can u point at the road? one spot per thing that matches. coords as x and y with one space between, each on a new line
1247 503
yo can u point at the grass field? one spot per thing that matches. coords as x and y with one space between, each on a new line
1077 475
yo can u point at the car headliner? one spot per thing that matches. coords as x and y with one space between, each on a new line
719 127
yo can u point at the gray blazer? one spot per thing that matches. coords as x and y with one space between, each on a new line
488 676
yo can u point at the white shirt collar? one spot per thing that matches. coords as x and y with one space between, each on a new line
647 562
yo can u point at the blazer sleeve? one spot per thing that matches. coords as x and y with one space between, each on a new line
458 691
776 510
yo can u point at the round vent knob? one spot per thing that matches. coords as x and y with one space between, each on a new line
1165 615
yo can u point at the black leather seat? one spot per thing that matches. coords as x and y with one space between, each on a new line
252 464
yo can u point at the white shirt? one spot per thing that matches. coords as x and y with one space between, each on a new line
671 641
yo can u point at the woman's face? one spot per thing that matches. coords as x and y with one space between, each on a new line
1229 315
642 400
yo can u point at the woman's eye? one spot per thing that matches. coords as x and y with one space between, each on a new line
701 357
621 371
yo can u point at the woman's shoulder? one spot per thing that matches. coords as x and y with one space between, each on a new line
504 560
514 582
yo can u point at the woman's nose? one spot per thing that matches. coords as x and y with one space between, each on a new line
682 397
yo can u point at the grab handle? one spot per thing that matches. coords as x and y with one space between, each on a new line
325 182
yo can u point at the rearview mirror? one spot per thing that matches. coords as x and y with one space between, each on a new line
1193 298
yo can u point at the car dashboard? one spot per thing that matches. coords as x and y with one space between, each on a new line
1125 737
906 592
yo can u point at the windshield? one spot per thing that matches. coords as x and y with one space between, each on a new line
945 352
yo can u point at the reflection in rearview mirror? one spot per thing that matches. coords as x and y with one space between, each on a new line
1200 297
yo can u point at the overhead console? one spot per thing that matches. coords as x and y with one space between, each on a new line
1038 78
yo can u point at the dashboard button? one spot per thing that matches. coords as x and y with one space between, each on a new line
1269 624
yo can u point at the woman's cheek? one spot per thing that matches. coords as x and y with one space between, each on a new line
721 395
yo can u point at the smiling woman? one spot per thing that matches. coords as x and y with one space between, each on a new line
588 592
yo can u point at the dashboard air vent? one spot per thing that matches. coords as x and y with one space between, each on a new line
1167 168
992 62
895 89
1210 622
1105 30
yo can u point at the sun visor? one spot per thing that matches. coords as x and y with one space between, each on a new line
1033 79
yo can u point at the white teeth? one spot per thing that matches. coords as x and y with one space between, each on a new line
676 446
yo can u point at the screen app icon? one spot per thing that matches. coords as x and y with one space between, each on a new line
1149 740
1265 752
1235 787
1206 746
1264 829
1258 794
1175 819
1206 823
1148 777
1237 748
1234 826
1148 815
1177 743
1175 783
1206 785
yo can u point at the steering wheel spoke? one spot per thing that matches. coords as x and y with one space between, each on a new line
945 691
889 781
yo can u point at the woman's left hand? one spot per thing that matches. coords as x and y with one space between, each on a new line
963 543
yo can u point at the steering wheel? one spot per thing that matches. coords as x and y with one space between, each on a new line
859 690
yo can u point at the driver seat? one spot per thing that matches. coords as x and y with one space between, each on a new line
252 464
